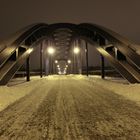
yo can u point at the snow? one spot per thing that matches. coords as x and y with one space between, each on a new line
70 107
15 90
119 86
18 88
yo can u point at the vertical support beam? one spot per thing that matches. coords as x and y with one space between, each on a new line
73 61
102 43
79 58
41 60
50 64
28 69
49 58
86 50
103 67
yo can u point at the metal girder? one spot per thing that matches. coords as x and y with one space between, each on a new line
128 68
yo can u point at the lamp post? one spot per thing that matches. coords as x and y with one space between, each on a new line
76 51
86 50
55 68
41 60
69 64
50 51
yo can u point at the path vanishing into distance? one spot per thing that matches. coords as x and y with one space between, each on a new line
70 108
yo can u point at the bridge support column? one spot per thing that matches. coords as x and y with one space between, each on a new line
103 69
86 50
50 65
73 61
41 60
28 69
102 43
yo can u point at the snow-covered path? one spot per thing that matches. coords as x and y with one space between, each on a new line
70 108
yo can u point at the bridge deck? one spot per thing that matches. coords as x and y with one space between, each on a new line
70 108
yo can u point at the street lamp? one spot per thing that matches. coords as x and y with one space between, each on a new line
51 50
76 50
56 61
69 61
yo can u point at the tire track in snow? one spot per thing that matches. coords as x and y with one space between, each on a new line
70 108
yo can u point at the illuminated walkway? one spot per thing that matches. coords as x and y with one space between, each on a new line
70 108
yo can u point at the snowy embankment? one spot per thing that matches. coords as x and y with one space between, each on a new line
119 86
15 90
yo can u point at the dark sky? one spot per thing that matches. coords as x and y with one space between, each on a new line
122 16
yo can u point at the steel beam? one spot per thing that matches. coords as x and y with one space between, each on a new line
41 60
86 51
28 69
103 67
102 43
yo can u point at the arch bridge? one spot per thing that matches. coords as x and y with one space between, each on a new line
120 52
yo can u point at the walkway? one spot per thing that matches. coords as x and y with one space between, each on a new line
70 108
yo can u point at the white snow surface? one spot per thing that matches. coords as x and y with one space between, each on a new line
70 108
119 86
15 90
18 88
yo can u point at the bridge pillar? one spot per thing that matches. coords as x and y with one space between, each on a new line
50 64
103 69
102 43
73 60
28 69
41 60
86 50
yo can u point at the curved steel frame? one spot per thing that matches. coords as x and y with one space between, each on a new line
127 65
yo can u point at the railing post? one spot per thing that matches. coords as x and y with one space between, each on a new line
28 69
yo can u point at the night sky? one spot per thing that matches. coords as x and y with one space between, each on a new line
122 16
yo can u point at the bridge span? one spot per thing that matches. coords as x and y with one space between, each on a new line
120 52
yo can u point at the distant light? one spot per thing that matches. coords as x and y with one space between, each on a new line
59 72
76 50
69 61
58 66
56 61
30 50
66 66
51 50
